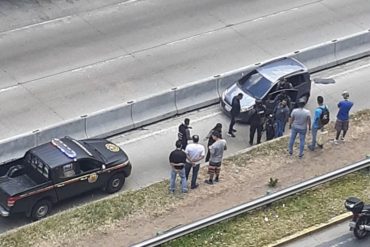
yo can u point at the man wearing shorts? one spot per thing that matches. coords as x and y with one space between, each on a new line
342 122
215 160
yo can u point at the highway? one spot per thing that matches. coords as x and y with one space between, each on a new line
149 147
65 60
334 236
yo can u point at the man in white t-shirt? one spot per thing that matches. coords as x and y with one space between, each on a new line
195 152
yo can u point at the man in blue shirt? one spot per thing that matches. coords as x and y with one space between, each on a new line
342 122
316 123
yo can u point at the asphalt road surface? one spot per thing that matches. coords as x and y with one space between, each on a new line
149 147
334 236
61 60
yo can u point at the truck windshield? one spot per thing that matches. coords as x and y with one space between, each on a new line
256 85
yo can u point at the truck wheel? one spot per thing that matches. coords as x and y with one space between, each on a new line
41 209
115 183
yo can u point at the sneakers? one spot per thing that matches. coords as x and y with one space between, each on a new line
342 139
301 156
336 142
320 146
233 130
217 180
251 143
231 134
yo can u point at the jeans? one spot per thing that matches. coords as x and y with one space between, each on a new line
302 138
280 128
194 176
184 185
232 122
312 146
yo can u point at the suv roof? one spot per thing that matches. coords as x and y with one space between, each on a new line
276 69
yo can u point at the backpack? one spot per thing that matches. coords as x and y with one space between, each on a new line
324 116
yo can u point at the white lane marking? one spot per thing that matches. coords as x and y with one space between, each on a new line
8 88
349 71
64 18
166 130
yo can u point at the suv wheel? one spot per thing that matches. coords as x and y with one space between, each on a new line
115 183
41 209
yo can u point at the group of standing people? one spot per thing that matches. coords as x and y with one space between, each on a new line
260 119
188 156
300 122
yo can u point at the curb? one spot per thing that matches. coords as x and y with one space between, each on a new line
310 230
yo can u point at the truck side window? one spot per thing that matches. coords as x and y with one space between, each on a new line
67 171
88 165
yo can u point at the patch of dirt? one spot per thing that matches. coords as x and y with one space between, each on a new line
239 184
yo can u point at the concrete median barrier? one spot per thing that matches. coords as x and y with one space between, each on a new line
110 121
353 47
317 57
74 128
154 108
16 146
196 95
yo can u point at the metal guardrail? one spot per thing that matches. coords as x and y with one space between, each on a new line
227 214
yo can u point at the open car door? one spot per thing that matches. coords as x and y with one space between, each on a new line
273 99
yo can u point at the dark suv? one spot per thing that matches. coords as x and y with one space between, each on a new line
264 83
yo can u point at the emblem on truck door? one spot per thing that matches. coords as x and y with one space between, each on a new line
92 178
111 147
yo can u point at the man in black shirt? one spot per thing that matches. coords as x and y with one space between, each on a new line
184 133
235 111
257 120
177 161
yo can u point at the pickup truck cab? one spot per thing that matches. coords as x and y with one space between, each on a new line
57 170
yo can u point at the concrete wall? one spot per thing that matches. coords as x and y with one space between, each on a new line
179 100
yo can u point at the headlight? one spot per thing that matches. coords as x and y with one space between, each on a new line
244 109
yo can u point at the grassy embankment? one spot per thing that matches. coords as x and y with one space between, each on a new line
255 229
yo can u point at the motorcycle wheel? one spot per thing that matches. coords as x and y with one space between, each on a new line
360 234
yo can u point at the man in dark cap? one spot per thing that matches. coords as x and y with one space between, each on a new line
184 133
235 111
256 121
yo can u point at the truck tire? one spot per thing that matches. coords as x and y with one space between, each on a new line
115 183
41 209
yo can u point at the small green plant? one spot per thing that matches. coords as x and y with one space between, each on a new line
273 182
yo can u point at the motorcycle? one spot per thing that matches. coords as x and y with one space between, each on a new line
360 223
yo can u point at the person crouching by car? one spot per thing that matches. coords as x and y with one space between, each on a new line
217 152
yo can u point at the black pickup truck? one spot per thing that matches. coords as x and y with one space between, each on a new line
57 170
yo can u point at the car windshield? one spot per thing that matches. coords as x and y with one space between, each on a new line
256 85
